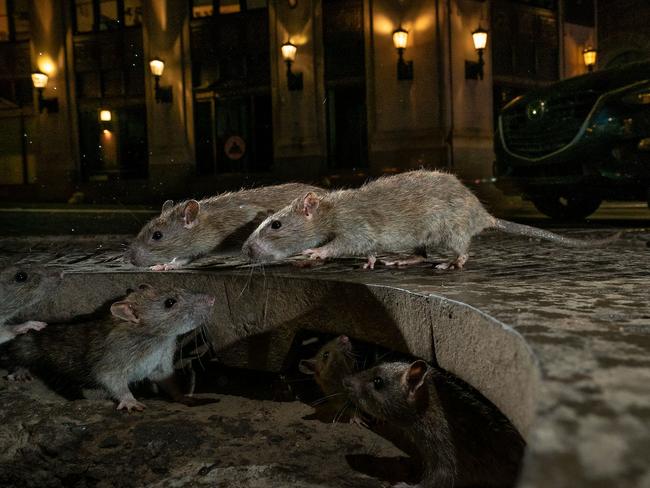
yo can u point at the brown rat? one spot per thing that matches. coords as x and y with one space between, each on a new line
462 439
412 212
22 287
137 340
191 229
333 362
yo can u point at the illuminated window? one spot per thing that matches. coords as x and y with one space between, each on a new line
4 21
229 6
84 15
207 8
108 16
132 12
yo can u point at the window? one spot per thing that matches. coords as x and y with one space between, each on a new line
106 15
230 56
206 8
110 75
14 20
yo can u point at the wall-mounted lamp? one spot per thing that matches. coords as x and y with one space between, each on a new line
40 82
590 55
404 68
162 93
105 115
294 80
474 69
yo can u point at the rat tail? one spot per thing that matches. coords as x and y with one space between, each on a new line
527 230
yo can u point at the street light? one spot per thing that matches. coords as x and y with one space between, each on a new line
294 80
589 55
40 82
404 68
162 93
474 69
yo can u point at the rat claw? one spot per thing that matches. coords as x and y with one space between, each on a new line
20 375
370 264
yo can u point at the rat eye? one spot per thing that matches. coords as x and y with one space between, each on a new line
156 236
20 277
378 383
276 224
326 354
169 303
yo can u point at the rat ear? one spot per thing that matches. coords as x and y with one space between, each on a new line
310 204
124 310
190 213
167 206
307 366
414 377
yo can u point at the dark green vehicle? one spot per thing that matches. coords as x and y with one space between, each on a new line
572 144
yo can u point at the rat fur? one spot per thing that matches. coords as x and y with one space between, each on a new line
412 212
191 229
137 340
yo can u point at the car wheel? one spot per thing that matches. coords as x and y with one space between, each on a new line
575 207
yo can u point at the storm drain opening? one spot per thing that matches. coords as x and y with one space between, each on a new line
482 444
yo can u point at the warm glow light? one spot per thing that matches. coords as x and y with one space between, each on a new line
107 132
589 56
157 66
289 51
400 38
39 79
479 36
105 115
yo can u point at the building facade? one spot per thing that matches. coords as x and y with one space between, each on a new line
228 110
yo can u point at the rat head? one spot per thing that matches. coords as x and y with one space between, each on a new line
22 286
302 224
333 362
164 312
173 234
396 392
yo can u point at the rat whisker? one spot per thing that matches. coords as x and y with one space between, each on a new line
325 398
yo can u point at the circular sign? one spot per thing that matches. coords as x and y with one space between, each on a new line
235 147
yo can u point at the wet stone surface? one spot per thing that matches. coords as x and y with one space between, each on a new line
584 313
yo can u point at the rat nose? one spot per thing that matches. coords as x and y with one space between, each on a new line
210 300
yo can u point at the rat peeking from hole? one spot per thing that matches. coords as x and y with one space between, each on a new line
462 439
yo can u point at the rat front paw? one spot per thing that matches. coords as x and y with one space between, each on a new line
315 253
130 405
29 325
165 266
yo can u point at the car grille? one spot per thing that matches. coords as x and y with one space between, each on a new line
559 124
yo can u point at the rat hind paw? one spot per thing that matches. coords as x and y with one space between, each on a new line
130 405
457 263
20 375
